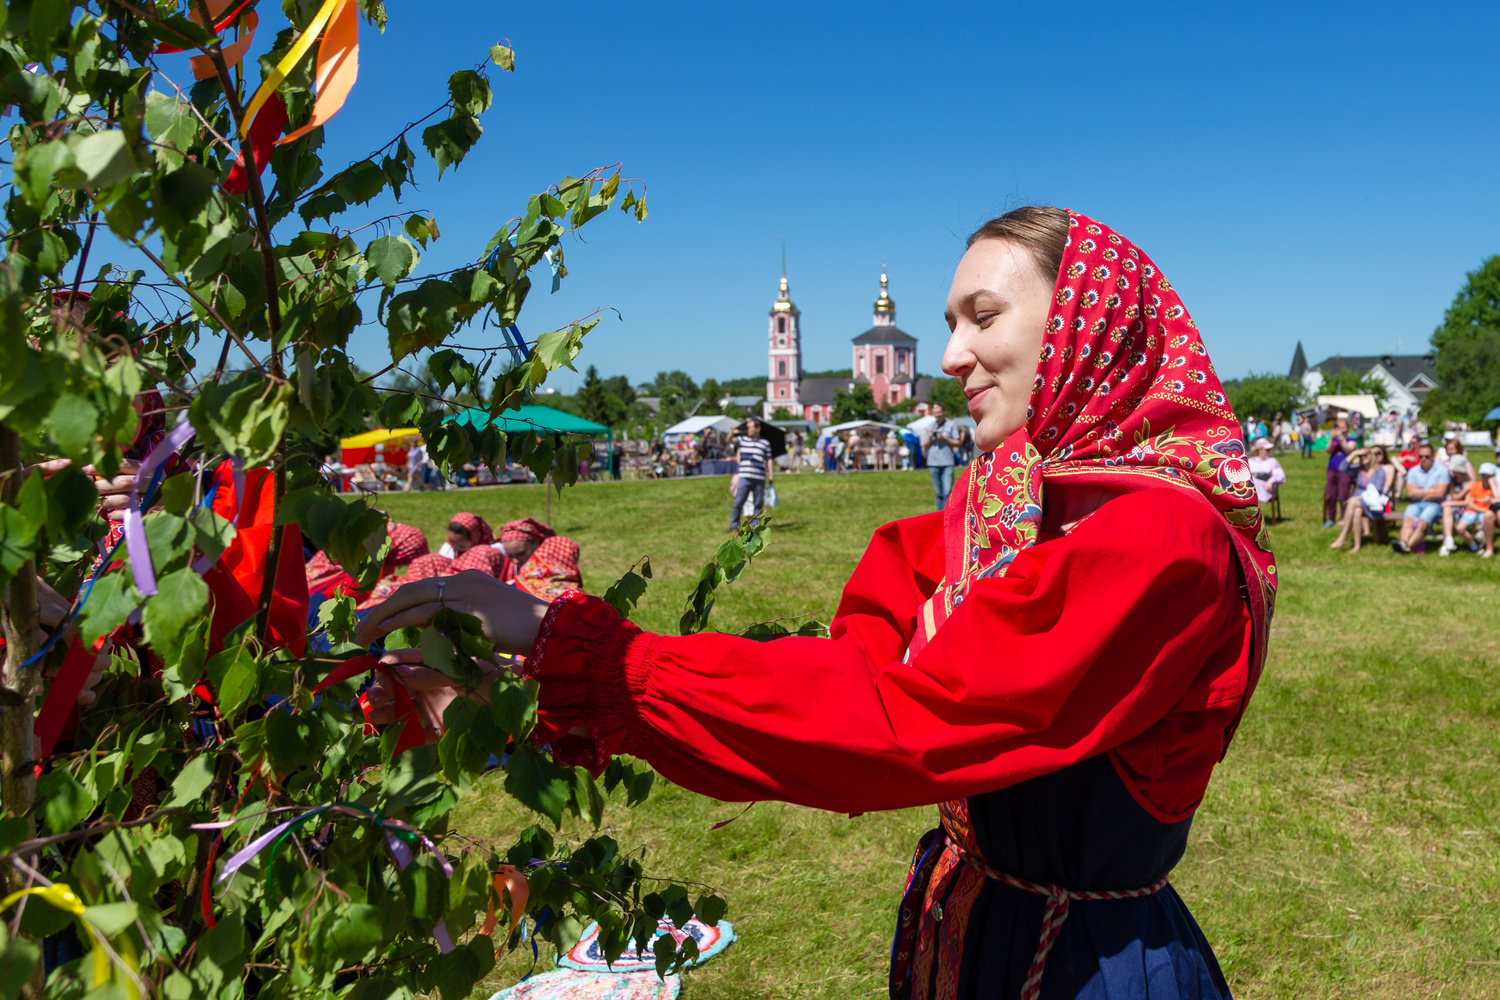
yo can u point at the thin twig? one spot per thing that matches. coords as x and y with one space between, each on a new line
208 308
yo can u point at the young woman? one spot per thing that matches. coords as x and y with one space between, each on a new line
1374 480
1059 657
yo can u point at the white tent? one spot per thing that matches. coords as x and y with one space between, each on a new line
697 425
833 429
922 425
1365 404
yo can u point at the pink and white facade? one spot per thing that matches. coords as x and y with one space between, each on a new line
885 358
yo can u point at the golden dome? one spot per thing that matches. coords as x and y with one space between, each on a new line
783 303
884 304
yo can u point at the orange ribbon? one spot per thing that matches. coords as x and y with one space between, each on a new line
508 879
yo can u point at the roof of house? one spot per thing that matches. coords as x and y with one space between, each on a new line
820 390
885 335
1405 368
1299 364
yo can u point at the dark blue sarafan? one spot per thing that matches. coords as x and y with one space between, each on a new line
965 932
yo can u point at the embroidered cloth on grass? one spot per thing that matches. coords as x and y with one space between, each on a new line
587 956
569 984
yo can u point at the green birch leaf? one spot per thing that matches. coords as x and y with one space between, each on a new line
504 57
172 126
181 598
99 160
192 781
391 258
64 800
73 422
112 600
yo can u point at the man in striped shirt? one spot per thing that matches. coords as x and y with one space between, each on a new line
756 470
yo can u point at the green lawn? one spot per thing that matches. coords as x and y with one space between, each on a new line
1347 846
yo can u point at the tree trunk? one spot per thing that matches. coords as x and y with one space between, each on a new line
18 688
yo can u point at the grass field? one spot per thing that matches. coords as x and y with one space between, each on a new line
1349 846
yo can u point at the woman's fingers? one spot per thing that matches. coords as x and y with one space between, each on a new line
375 625
379 624
51 466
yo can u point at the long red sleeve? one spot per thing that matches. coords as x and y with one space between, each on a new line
1128 635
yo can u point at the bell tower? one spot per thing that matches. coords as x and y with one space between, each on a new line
785 340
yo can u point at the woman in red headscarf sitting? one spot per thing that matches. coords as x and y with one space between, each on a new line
326 578
1058 659
547 562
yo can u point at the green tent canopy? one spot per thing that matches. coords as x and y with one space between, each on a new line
537 419
534 420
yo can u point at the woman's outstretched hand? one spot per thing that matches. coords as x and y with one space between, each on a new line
509 616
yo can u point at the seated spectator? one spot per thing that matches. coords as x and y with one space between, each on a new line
1482 512
1371 495
466 530
1265 470
326 578
1426 486
1458 462
1409 458
1456 507
546 563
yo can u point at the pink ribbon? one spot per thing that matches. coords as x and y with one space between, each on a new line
135 532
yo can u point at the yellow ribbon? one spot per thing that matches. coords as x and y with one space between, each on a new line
65 899
289 61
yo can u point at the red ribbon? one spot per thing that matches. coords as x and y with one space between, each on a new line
264 132
412 733
219 27
62 696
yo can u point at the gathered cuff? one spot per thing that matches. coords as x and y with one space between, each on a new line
593 666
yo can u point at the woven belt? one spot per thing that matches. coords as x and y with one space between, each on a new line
1058 900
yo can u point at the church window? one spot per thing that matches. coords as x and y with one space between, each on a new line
781 369
861 364
781 324
901 362
880 364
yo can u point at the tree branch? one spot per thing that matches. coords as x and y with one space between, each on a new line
212 312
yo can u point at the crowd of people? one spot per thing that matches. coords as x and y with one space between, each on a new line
526 554
1435 489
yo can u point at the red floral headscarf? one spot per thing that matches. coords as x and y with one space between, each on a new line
528 527
479 531
428 566
1125 397
552 569
485 558
407 543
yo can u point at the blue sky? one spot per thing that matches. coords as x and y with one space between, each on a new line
1316 172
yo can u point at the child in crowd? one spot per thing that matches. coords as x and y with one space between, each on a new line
1454 504
1477 512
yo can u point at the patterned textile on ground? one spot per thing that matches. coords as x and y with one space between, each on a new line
568 984
587 956
552 569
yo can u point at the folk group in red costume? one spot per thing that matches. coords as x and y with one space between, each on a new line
1057 660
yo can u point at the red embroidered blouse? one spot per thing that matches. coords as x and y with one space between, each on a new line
1129 634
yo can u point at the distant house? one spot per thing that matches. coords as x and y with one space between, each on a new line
1408 377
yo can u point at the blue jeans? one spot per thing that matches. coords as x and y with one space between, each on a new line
1424 510
942 483
744 490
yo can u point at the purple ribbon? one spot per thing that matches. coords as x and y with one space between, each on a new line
135 532
398 848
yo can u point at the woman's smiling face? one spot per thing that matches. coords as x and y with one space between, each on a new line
997 314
